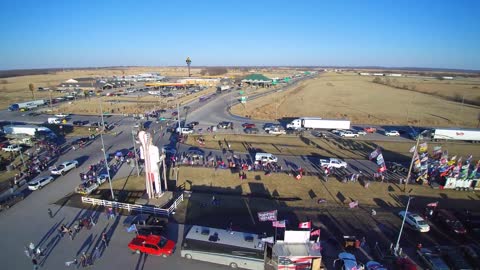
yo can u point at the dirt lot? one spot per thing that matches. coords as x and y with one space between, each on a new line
126 105
357 98
338 147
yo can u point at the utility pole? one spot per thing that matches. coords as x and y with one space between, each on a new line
104 153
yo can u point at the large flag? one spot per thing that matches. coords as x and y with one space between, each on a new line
315 232
267 215
375 153
305 225
279 224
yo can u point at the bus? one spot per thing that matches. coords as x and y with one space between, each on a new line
232 248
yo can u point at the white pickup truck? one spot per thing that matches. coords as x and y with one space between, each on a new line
333 163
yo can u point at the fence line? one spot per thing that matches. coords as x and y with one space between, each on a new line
134 207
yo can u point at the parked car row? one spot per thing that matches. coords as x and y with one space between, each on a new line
61 169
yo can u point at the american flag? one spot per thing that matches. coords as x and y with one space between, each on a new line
279 224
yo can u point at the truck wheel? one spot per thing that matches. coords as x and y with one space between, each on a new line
233 265
188 256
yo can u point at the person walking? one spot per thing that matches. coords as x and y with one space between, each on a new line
50 213
104 239
70 233
95 255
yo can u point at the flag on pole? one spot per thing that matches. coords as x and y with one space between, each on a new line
380 160
132 228
433 204
279 224
305 225
412 149
375 153
423 147
267 215
315 232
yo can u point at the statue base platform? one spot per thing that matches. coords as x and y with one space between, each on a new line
161 201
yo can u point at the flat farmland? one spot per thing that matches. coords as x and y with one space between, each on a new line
348 95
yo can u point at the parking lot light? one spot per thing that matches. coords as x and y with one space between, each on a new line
104 153
397 246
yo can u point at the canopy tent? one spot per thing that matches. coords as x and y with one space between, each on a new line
71 81
257 79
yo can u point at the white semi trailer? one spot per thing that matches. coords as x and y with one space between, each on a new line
454 134
318 123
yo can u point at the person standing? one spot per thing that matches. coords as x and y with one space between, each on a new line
27 252
50 213
35 263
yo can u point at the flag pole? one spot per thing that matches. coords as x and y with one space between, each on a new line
275 236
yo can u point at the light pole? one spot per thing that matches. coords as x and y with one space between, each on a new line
135 152
397 246
178 118
104 153
188 61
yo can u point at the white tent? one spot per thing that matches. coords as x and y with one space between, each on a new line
71 81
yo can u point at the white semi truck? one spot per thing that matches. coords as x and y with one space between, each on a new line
454 134
26 105
318 123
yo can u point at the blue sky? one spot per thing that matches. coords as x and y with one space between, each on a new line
402 33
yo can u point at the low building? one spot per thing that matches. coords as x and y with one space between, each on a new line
199 81
395 75
257 79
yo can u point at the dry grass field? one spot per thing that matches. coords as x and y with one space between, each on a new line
338 147
355 97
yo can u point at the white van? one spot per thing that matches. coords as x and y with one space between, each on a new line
54 120
265 157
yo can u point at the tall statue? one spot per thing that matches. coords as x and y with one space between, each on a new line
151 155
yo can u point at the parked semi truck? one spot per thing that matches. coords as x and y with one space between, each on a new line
24 129
318 123
26 105
222 88
453 134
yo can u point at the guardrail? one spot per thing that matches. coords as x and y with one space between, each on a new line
135 207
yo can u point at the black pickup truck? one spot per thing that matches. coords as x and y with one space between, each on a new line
146 224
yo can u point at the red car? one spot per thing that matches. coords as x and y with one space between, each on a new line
248 125
370 129
152 245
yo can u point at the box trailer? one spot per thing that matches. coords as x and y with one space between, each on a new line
222 88
454 134
318 123
24 129
26 105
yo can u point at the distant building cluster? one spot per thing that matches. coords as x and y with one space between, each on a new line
380 74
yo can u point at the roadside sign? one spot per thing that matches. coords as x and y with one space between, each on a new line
243 99
242 92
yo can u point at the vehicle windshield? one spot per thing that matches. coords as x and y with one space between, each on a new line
33 184
421 222
162 242
60 167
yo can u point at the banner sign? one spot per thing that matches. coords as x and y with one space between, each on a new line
267 216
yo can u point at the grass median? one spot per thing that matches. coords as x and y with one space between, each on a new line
333 147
